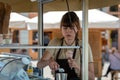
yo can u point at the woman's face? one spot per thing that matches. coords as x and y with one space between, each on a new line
69 32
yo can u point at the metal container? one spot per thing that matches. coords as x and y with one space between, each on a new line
61 76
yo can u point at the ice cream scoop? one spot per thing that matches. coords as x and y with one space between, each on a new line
69 54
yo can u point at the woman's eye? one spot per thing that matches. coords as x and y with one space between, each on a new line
71 28
64 27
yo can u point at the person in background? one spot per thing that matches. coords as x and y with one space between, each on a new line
105 55
46 39
68 59
114 58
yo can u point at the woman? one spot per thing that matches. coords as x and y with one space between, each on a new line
68 59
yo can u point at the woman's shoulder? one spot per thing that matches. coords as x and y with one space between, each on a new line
80 42
56 41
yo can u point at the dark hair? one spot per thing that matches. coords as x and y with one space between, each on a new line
70 19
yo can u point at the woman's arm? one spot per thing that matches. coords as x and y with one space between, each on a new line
91 71
47 59
73 64
44 61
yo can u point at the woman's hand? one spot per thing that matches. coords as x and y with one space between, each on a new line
73 64
53 64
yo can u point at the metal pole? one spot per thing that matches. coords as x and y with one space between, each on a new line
40 29
40 25
119 29
36 47
85 41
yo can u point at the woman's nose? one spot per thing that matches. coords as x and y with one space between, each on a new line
68 30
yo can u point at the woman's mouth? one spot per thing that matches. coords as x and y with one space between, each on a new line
68 35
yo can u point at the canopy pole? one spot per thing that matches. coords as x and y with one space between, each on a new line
85 41
40 30
40 27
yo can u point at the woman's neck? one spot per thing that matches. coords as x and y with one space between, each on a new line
69 42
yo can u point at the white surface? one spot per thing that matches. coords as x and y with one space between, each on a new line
24 36
17 20
105 68
96 19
